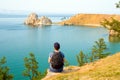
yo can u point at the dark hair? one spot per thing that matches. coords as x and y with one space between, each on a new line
56 45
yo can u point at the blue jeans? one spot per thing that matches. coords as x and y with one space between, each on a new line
55 70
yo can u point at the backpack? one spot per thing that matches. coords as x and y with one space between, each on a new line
57 60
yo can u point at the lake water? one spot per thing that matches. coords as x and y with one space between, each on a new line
18 40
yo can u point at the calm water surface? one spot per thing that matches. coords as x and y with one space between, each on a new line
18 40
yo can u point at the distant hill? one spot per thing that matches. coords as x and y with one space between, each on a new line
104 69
88 19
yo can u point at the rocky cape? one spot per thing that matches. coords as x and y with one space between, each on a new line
88 19
33 20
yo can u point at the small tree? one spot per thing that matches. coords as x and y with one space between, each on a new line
81 59
4 71
92 56
118 5
31 66
98 50
112 25
42 75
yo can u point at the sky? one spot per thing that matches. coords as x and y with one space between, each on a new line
61 6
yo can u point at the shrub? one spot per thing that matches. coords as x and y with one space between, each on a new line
4 70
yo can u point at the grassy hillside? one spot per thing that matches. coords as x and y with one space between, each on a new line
88 19
104 69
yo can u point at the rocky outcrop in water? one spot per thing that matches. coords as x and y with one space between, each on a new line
44 21
114 33
114 39
33 20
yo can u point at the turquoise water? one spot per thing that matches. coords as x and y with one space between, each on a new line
18 40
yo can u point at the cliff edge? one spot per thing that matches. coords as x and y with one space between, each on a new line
104 69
